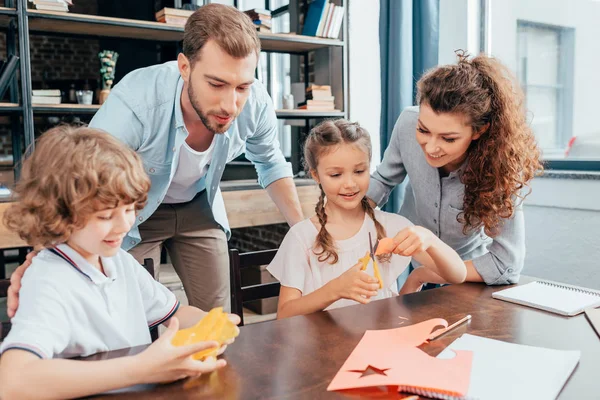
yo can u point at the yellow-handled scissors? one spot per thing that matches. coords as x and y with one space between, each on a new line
370 256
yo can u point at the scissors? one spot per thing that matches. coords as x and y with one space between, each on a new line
370 256
373 249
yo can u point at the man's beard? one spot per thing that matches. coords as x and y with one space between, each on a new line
214 128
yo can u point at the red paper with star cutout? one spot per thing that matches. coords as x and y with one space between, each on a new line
393 358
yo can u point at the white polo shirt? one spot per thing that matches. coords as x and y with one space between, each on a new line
68 308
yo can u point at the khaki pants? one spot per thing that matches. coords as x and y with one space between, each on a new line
197 247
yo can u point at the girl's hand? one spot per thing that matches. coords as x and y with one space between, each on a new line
414 282
412 240
356 285
163 362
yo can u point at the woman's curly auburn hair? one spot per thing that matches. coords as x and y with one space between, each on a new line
322 139
506 157
73 173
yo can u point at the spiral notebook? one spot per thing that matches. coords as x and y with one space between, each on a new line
555 297
503 370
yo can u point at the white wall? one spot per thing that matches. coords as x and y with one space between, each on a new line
584 16
364 69
459 29
562 218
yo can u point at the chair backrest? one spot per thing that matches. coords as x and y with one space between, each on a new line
5 327
239 294
149 266
18 258
5 283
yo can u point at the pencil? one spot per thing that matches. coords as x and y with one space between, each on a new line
440 332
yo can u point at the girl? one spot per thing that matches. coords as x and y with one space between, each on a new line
317 261
78 197
469 153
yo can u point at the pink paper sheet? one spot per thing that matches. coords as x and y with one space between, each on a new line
396 360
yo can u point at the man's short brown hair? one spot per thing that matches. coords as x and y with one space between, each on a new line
233 31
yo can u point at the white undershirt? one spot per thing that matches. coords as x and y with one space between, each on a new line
191 167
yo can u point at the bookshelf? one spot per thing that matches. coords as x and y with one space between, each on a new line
10 107
31 21
98 26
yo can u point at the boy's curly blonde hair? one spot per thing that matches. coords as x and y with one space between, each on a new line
73 173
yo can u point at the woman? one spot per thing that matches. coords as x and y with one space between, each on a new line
469 153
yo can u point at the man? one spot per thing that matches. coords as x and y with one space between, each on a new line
187 119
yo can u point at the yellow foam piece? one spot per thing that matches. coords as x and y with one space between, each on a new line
214 326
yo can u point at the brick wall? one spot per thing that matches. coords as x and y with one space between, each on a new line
258 237
56 62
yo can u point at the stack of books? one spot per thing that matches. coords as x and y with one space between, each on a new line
261 18
318 98
173 16
46 96
52 5
323 19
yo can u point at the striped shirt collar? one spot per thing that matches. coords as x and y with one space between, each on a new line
75 260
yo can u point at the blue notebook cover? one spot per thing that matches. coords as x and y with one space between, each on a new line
313 17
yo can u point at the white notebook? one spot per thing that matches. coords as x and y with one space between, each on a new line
555 297
502 370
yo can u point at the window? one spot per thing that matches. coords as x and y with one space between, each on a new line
552 46
274 68
545 70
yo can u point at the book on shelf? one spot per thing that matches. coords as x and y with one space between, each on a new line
318 92
174 11
317 108
323 19
45 100
173 16
317 103
46 92
5 192
52 5
9 68
261 18
173 19
263 23
323 96
69 2
258 11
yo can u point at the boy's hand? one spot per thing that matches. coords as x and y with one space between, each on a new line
163 362
412 240
12 296
356 285
236 320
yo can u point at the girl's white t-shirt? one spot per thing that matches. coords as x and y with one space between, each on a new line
296 265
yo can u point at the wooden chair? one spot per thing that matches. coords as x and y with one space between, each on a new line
5 283
149 266
239 294
5 327
6 258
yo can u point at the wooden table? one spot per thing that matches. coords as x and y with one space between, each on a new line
296 358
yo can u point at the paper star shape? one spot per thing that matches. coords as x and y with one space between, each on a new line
371 370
